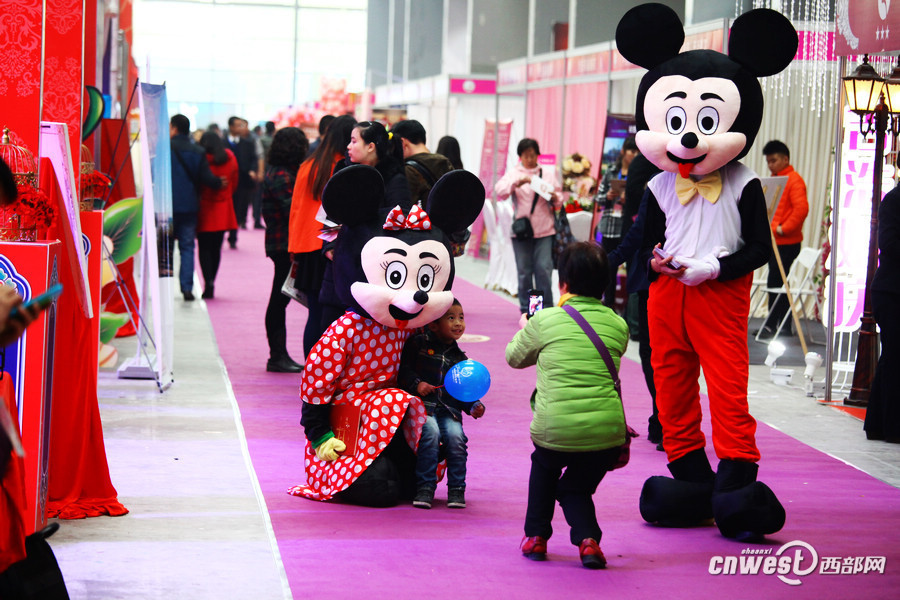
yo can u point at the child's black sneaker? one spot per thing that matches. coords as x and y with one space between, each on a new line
456 497
424 497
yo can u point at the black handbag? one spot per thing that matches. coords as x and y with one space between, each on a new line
521 227
624 449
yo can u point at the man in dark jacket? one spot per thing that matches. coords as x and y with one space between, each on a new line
249 159
190 171
423 168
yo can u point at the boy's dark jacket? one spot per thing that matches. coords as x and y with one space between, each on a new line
426 358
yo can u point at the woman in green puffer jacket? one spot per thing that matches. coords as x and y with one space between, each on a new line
578 422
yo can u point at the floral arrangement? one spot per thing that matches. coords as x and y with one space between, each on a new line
577 180
94 185
32 207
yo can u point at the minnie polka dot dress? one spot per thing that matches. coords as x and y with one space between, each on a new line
356 362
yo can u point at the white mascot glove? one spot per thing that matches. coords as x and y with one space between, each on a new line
328 450
701 269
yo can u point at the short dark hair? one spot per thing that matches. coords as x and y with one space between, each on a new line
410 130
324 122
270 127
629 144
289 147
776 147
583 266
181 124
525 144
233 120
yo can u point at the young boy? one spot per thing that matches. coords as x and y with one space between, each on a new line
425 361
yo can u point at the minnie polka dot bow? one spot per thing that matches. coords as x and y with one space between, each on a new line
416 219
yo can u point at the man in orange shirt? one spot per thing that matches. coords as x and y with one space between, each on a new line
787 226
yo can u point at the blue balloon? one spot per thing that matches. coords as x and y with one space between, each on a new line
467 381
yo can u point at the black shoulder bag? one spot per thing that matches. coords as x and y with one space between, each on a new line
521 227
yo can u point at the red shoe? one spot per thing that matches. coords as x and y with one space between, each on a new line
534 547
591 555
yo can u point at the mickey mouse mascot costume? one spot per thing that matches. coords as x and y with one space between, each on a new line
394 270
697 113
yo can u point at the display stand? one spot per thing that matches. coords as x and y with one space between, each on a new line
79 482
32 267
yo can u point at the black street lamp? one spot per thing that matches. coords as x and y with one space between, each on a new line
870 95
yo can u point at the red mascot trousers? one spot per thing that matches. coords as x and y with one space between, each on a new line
702 326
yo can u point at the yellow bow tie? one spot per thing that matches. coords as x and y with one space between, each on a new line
710 187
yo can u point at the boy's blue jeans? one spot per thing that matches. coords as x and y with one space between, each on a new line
442 428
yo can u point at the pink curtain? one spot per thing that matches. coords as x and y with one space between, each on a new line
542 119
585 121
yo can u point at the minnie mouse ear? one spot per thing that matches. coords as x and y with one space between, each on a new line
649 34
455 201
763 41
353 195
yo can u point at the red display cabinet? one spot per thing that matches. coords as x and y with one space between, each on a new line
32 267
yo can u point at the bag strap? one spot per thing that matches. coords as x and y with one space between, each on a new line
426 174
536 197
601 348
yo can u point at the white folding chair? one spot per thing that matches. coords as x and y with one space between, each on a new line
843 359
800 280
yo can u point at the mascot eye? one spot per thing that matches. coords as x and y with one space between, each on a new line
426 278
395 275
708 120
676 119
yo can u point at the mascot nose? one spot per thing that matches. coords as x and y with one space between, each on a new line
420 297
689 140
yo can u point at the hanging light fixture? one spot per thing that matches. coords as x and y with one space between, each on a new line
892 89
863 88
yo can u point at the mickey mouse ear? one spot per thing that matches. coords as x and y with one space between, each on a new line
455 201
353 195
649 34
763 41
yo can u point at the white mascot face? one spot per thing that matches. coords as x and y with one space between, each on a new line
689 124
406 285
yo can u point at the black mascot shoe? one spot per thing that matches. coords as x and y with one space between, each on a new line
684 501
744 508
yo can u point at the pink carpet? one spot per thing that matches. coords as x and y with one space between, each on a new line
338 551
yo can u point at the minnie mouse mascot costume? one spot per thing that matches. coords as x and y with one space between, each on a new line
697 113
394 269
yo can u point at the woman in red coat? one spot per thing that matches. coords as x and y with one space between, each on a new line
216 214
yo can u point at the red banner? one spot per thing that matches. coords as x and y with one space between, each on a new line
866 27
63 67
489 172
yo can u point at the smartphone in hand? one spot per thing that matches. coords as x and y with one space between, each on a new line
535 301
661 254
43 301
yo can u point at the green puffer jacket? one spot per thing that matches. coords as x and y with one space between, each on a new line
576 408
